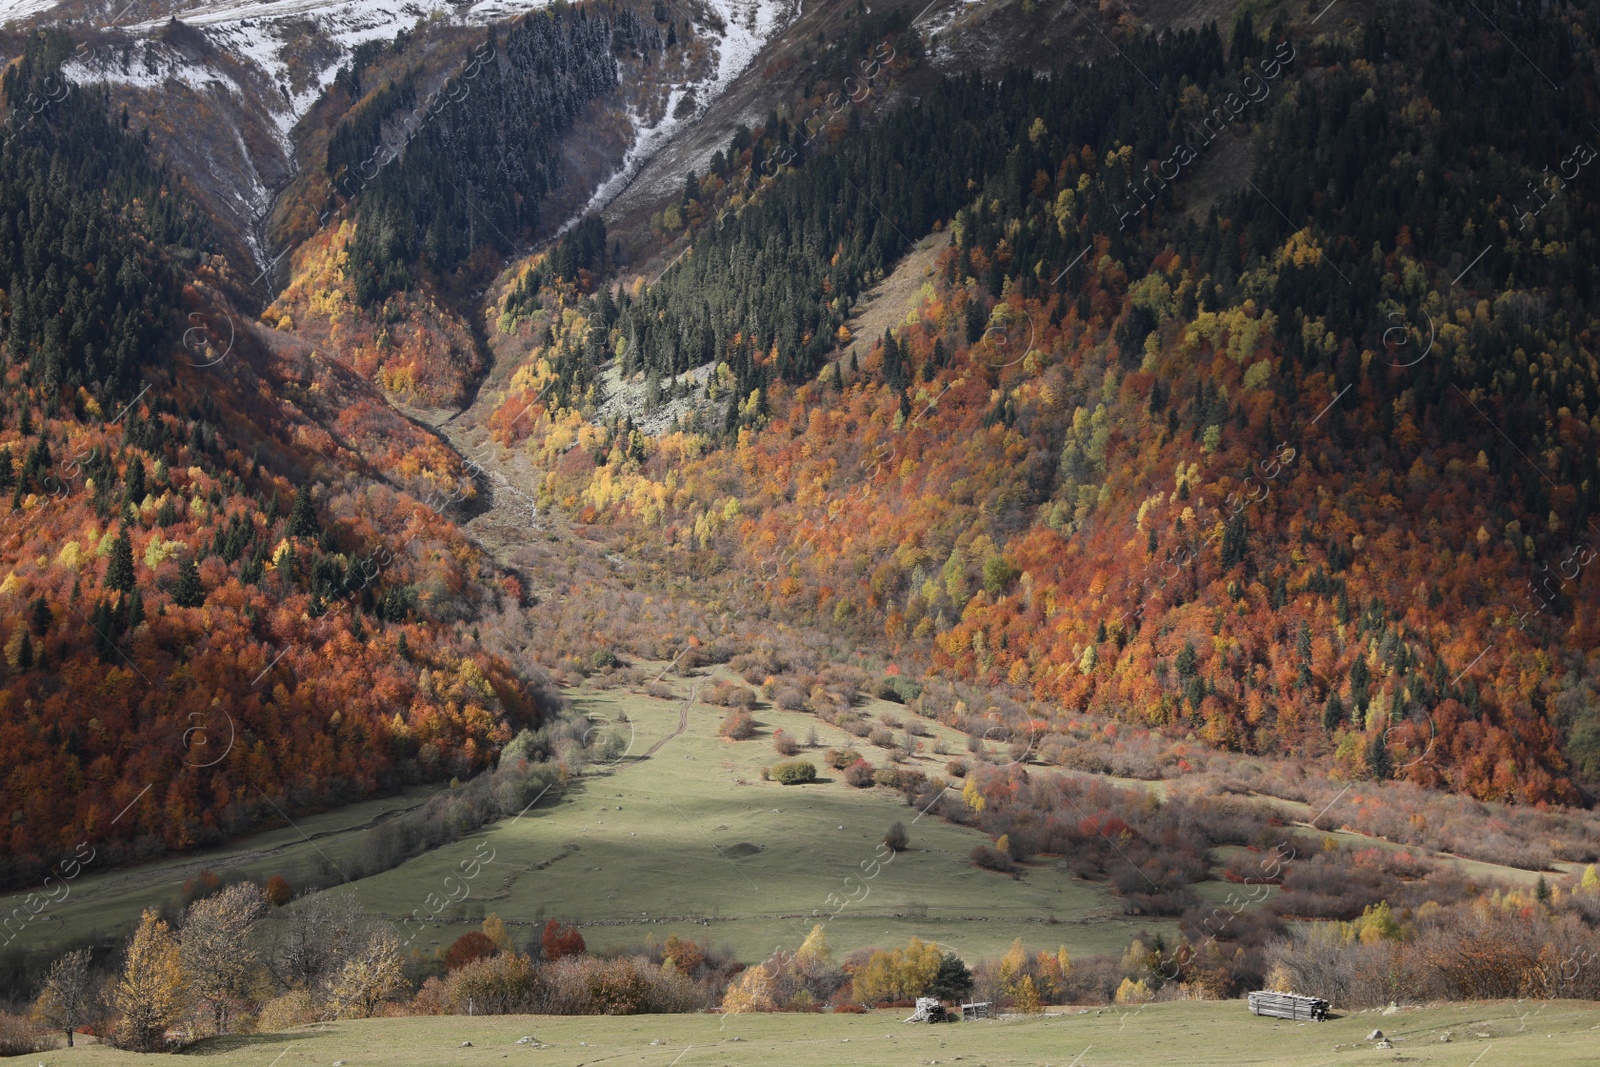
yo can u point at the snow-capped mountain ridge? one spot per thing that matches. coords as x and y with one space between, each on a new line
260 66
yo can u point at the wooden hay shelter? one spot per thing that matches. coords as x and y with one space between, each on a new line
1288 1006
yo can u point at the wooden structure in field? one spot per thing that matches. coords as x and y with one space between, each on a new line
1291 1006
929 1010
979 1010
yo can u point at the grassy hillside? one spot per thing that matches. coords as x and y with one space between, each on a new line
691 835
1552 1034
103 906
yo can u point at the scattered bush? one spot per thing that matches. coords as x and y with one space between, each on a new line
784 744
897 838
202 885
497 985
21 1036
794 772
604 659
755 667
840 758
991 858
659 690
738 726
882 736
956 768
898 777
898 689
790 699
859 774
295 1008
728 695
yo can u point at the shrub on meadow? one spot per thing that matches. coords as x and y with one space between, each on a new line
794 772
738 726
859 774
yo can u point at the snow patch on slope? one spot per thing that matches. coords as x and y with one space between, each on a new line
259 31
747 26
267 35
12 10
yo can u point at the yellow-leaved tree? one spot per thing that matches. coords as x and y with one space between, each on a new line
898 975
1131 992
373 974
814 949
1026 996
752 992
919 966
494 928
149 996
1013 967
876 980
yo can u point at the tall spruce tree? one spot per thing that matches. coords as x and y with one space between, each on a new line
119 573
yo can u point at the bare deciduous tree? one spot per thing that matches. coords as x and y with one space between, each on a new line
220 953
312 938
68 998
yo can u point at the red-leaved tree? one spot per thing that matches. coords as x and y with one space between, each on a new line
474 945
561 941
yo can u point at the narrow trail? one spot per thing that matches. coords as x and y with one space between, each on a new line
683 721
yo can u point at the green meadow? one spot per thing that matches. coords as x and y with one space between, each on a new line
681 835
1194 1034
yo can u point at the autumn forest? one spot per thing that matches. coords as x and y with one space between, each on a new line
1171 462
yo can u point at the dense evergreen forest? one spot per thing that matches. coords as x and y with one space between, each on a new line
88 228
474 174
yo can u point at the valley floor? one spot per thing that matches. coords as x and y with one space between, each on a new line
1196 1034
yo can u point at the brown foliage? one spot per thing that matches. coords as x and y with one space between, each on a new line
859 774
468 948
560 941
738 726
278 891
